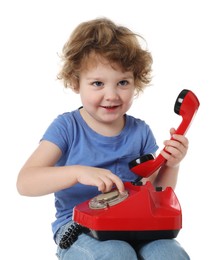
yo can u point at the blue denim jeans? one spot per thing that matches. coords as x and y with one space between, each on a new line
88 248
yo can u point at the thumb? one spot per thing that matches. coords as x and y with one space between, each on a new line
172 131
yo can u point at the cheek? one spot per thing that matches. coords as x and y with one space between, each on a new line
129 97
89 99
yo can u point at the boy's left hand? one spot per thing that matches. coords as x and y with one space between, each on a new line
175 149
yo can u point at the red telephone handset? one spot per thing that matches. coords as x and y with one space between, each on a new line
186 105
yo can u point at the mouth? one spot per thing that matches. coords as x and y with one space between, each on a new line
110 108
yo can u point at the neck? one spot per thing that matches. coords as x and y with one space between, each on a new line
102 128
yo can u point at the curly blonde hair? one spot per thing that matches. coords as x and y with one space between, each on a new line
114 43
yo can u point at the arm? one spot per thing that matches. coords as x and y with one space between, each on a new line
39 176
167 175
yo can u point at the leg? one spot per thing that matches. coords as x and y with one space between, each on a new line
165 249
88 248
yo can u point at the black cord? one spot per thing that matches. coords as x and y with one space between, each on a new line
70 236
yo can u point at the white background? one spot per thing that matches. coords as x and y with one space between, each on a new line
184 38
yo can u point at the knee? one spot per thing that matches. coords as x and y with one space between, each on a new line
119 250
163 249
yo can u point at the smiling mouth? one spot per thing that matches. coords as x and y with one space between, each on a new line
110 107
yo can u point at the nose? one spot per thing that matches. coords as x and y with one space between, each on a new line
111 93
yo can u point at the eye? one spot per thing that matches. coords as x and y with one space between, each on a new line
123 83
97 83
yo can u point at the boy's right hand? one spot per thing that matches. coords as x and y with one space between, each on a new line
102 178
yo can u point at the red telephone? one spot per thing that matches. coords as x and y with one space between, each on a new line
186 105
142 212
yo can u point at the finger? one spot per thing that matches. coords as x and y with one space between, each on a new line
165 154
174 152
180 146
104 183
172 131
107 181
118 182
101 186
182 139
171 160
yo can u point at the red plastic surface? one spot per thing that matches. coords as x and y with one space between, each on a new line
188 106
144 209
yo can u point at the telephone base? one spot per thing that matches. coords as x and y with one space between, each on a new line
147 213
133 235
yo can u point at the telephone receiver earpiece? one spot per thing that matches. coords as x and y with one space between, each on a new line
186 105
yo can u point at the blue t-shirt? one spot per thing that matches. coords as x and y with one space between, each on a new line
83 146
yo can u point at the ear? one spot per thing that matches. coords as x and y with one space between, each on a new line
75 87
76 90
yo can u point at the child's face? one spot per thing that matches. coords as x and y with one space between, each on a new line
106 91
